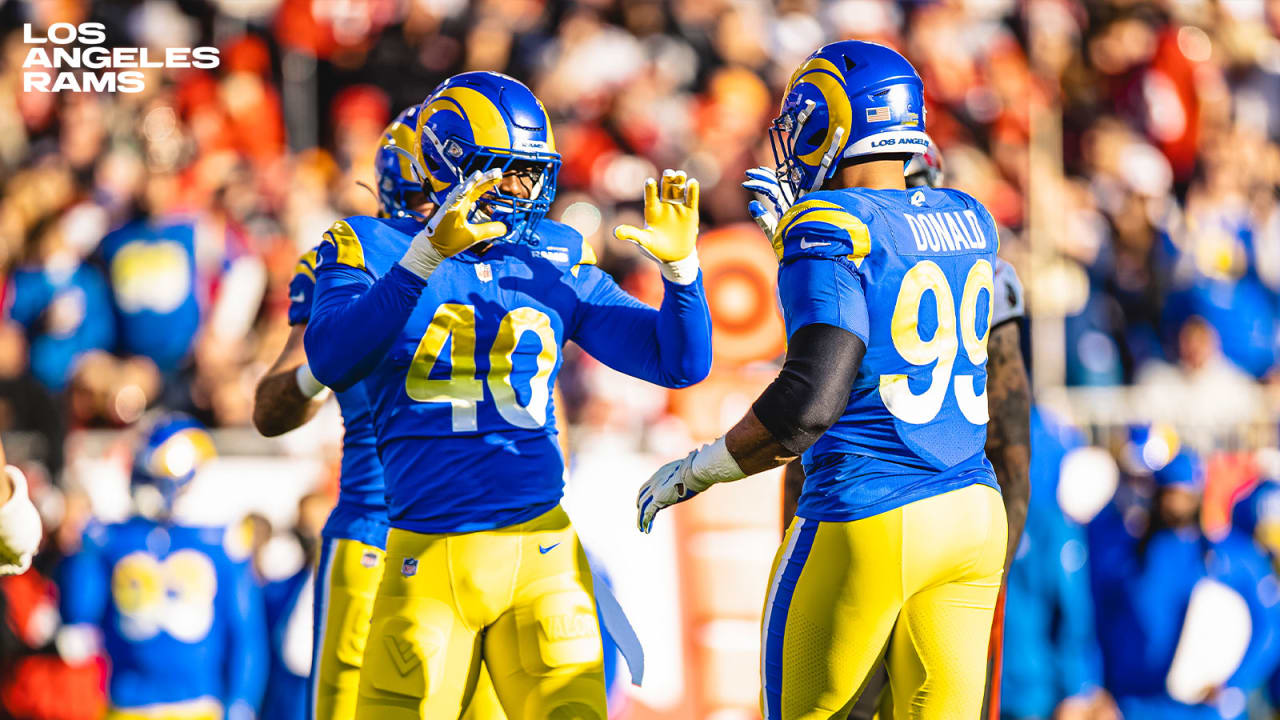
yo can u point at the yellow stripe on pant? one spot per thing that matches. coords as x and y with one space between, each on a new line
921 579
520 598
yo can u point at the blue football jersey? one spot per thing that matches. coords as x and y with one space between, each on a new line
462 398
910 272
361 512
181 618
153 278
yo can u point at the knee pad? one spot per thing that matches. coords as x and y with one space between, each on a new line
561 635
403 658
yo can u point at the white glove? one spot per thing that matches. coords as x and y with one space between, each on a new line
20 529
681 479
449 231
772 200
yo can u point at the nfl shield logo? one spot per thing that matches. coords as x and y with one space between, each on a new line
484 272
409 568
369 559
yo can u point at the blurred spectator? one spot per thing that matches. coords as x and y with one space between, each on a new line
288 596
1203 378
1052 667
62 303
1143 577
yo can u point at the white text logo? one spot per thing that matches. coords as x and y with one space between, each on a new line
73 57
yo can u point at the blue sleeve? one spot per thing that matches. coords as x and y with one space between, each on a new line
822 291
1251 576
302 289
355 319
1078 655
247 655
83 582
670 347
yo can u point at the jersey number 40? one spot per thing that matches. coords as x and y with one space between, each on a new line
463 390
943 347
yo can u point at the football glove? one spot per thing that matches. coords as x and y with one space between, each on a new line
670 227
681 479
772 200
449 230
20 529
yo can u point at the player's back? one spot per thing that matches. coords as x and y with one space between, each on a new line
915 424
164 622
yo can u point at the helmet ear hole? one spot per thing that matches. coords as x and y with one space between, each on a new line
849 64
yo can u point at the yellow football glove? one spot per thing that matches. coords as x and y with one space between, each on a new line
670 229
448 231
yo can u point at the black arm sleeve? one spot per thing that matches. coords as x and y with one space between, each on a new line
812 390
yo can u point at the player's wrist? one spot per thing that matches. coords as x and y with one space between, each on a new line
308 385
683 271
422 258
712 464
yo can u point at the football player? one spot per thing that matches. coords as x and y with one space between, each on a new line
900 535
455 329
175 606
1006 374
354 538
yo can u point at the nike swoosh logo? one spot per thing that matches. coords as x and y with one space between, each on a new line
547 549
805 244
300 297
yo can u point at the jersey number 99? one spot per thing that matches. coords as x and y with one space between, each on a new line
463 390
175 595
943 347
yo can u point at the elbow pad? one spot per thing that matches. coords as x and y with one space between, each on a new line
812 391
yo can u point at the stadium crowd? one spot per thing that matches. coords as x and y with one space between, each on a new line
146 241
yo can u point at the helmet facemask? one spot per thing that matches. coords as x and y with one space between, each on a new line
793 134
533 172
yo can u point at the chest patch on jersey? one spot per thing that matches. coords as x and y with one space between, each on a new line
484 272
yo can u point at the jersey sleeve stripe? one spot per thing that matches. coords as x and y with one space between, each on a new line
350 251
306 265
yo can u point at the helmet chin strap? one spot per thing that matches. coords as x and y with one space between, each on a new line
827 158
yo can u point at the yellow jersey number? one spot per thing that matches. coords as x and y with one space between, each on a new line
463 390
943 347
175 595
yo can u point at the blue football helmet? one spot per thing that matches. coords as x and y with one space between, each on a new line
848 99
170 452
399 172
479 121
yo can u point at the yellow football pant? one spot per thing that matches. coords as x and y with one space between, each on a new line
346 584
519 597
921 579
